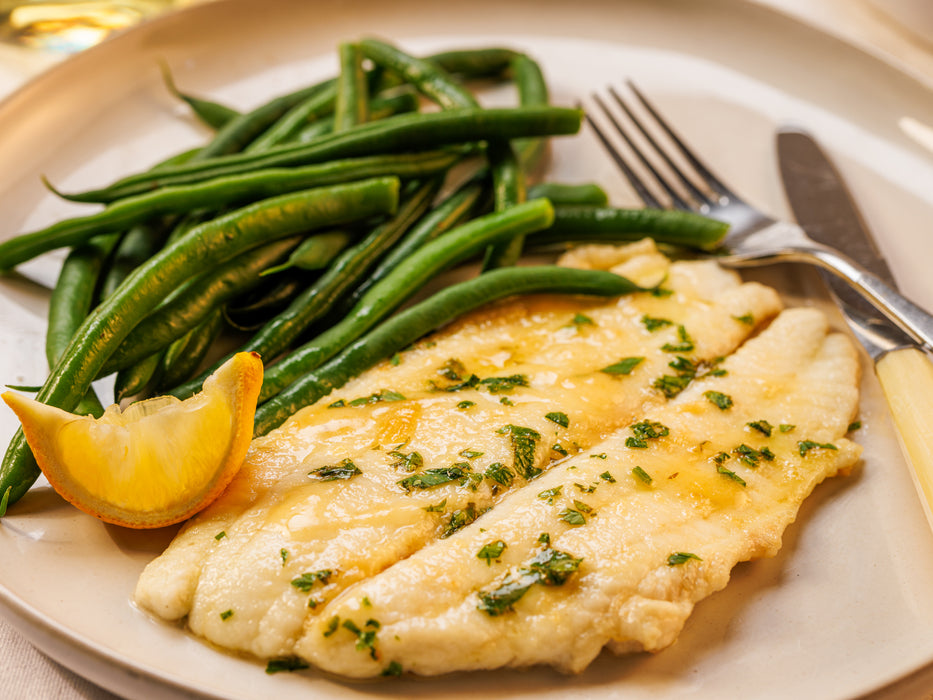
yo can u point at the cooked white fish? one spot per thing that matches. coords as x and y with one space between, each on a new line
615 545
339 494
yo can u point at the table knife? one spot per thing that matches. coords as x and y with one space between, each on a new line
823 206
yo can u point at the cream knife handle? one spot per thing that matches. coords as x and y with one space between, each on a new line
907 379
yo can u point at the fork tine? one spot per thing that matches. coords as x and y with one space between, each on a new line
677 201
695 192
637 183
714 182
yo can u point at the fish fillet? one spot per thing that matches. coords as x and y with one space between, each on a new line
645 553
290 541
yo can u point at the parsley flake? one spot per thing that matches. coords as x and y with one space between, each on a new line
644 431
557 417
437 507
393 670
653 324
499 474
491 550
730 474
747 319
459 519
806 445
463 405
408 462
642 475
306 581
226 615
550 567
220 535
678 558
383 395
606 476
685 343
574 517
550 494
433 477
786 427
291 663
722 401
346 469
524 442
582 320
623 366
762 426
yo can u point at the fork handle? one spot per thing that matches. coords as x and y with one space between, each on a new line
906 314
906 375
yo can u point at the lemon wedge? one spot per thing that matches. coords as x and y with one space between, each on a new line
156 463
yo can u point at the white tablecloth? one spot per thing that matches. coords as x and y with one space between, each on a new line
26 673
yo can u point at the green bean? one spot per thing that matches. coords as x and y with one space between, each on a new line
183 357
474 63
508 183
320 298
209 244
560 194
403 132
379 108
403 282
192 302
236 134
218 193
257 308
426 76
406 327
352 103
70 302
318 105
611 224
315 253
532 92
133 380
449 213
214 114
136 246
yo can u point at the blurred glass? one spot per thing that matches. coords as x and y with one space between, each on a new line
68 26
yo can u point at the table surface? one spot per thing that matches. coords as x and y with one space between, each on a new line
26 673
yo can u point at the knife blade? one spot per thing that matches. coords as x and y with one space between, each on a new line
823 206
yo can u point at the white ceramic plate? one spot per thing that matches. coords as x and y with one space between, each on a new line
847 605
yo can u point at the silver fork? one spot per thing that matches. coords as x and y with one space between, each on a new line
754 238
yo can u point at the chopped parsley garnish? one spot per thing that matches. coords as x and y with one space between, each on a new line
582 320
671 385
722 457
557 417
582 507
346 469
586 489
366 637
854 425
544 538
284 554
601 455
332 625
747 319
623 366
491 550
499 474
220 535
574 517
463 405
786 427
686 371
653 324
722 401
498 385
642 475
644 431
606 476
459 519
433 477
339 403
393 670
506 401
395 360
408 462
306 581
437 507
524 442
550 567
383 395
453 370
678 558
762 426
732 475
291 663
559 449
685 343
226 615
550 494
470 454
806 445
750 456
